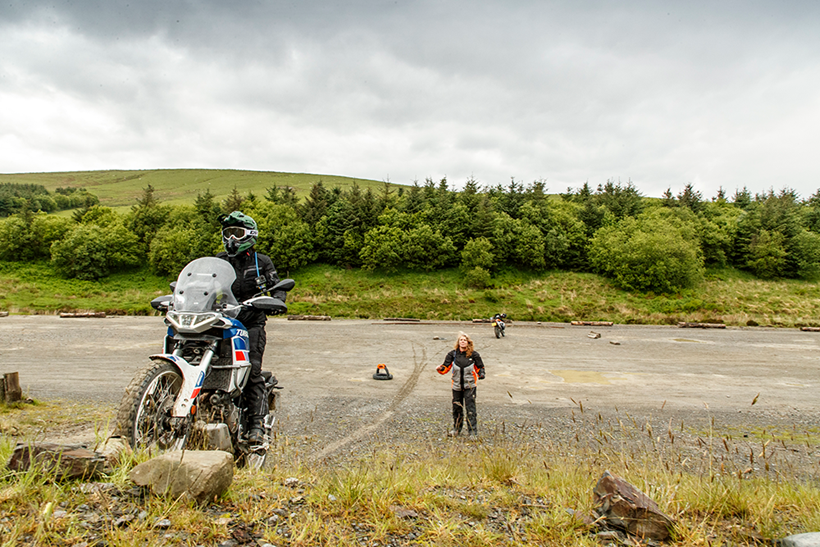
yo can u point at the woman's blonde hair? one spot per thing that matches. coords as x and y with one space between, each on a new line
469 351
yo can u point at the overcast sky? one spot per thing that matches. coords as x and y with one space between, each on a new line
714 93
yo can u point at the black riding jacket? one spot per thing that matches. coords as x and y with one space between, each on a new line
249 265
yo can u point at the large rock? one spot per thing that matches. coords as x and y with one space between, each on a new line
59 461
200 475
624 506
811 539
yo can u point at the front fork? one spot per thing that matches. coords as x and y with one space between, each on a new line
193 376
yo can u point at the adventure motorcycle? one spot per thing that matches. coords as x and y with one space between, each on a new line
191 393
498 324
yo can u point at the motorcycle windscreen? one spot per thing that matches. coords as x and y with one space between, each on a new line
204 285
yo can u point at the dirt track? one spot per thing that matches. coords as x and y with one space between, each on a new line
539 373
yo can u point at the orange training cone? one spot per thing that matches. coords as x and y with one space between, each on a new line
382 373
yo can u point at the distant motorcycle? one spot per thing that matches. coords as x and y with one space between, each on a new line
191 393
499 325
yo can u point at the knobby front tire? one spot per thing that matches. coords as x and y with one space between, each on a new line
143 416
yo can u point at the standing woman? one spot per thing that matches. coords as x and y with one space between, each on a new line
467 368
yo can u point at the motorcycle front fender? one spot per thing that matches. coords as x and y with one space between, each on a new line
192 379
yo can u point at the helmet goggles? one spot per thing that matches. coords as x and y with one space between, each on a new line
238 233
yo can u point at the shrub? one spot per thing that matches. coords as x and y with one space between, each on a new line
29 236
767 255
806 254
90 251
478 278
647 254
428 250
477 253
173 247
518 242
283 235
383 249
421 248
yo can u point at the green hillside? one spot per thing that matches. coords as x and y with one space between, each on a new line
180 186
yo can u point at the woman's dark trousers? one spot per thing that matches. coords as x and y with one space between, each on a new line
464 400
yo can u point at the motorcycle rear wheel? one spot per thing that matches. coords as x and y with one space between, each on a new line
143 418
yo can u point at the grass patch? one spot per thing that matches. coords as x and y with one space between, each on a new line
726 296
32 288
507 489
120 189
32 419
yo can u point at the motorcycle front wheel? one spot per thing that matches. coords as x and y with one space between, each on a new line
497 331
144 416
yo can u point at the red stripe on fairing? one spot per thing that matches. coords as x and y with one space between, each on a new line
240 356
200 379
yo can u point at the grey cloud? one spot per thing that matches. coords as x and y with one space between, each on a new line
662 93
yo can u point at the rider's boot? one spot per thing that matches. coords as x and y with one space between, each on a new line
256 433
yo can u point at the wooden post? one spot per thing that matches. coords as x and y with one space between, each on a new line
11 385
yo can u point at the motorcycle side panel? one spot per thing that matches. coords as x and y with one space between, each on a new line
241 360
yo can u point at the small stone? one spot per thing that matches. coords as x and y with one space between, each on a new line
403 512
291 482
122 521
298 500
331 497
162 523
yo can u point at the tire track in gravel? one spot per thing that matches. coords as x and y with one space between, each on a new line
404 392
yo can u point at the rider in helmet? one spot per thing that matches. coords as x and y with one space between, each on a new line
255 274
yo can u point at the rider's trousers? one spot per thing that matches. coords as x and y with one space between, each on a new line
254 391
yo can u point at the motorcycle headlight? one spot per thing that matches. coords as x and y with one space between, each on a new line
195 322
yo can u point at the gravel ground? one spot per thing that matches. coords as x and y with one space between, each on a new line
546 383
